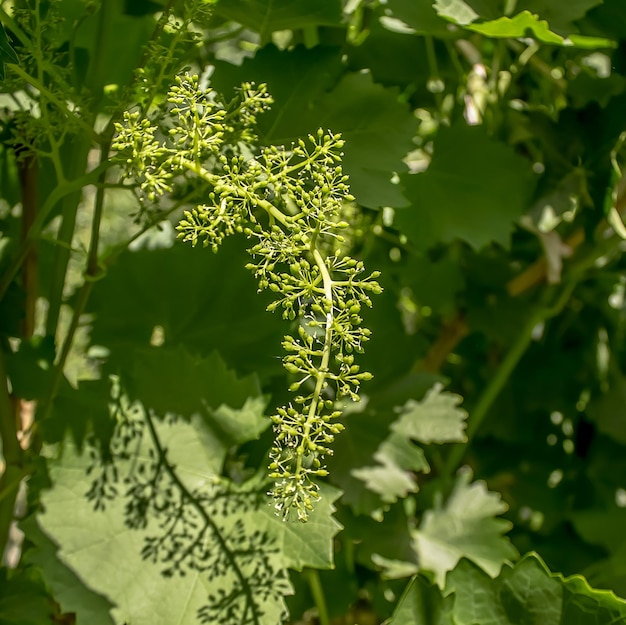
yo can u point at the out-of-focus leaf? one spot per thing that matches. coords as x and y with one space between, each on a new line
435 419
268 17
23 599
456 10
7 53
560 16
29 368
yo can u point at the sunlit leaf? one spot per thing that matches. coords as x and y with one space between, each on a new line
465 526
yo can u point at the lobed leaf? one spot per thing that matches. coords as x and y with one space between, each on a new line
524 593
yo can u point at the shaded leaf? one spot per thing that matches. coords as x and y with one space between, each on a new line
171 379
202 311
29 368
23 599
7 53
459 196
420 16
560 16
81 411
267 17
309 92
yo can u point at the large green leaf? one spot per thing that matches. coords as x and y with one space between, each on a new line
171 379
211 304
465 526
560 15
525 593
68 589
23 598
474 189
309 93
7 53
247 547
268 16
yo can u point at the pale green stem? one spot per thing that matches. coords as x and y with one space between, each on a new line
317 591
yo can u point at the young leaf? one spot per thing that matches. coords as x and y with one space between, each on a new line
434 419
464 527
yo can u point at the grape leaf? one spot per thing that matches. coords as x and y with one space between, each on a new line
560 16
7 53
420 16
523 23
80 411
607 409
386 478
266 17
23 598
421 604
106 554
434 419
30 367
170 379
309 93
464 527
474 189
524 593
68 589
456 10
311 543
202 311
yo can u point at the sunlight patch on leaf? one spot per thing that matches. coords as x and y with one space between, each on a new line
464 527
